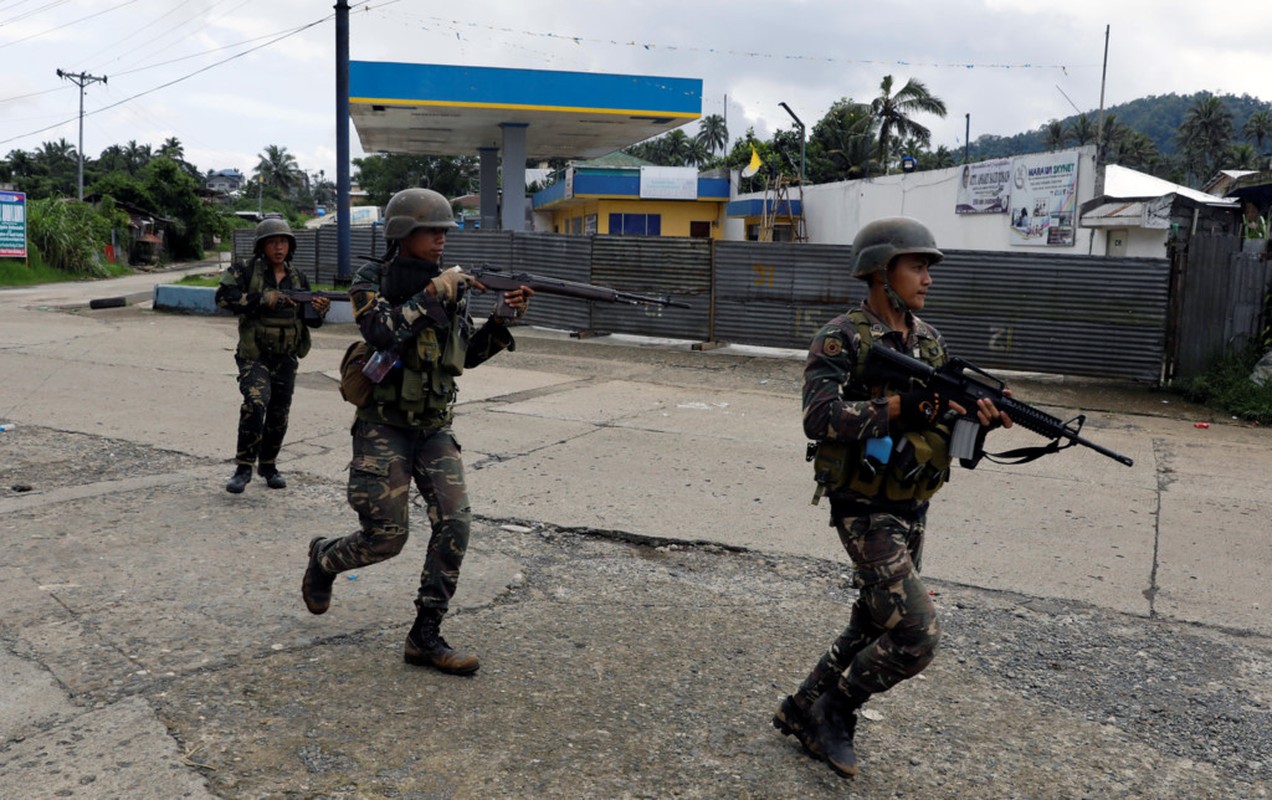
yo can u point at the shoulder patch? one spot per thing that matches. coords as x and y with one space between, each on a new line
832 346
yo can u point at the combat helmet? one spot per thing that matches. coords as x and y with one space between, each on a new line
411 209
274 227
882 240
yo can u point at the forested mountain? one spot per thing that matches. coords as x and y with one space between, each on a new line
1159 117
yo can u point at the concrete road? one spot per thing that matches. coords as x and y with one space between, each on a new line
155 639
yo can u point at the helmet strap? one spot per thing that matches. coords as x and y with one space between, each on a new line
894 299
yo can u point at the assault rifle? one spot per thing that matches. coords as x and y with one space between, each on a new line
305 295
541 284
965 383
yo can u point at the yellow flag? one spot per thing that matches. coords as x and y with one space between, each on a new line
754 166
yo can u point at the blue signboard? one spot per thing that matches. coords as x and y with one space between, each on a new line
13 232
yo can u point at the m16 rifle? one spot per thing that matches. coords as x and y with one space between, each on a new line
964 383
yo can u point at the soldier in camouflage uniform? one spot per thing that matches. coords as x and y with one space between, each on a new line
409 307
882 452
273 337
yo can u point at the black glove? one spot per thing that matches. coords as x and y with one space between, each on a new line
920 408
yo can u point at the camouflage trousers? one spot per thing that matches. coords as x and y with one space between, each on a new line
386 459
267 384
892 632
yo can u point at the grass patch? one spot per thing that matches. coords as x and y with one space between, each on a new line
1227 388
198 280
15 273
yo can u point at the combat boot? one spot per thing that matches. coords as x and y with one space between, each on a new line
425 647
239 480
833 723
273 478
792 720
316 586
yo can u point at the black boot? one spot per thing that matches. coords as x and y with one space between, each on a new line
273 478
792 720
316 586
833 721
239 480
425 647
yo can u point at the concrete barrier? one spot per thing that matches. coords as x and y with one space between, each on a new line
202 300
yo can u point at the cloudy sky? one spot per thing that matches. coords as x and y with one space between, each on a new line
228 77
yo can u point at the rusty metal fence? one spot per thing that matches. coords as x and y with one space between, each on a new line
1017 310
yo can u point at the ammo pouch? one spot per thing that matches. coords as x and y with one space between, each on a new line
918 466
355 387
427 389
284 336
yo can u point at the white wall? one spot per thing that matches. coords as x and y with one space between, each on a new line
834 212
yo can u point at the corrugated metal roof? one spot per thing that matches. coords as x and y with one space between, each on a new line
1126 183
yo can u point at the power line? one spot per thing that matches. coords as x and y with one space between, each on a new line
175 81
67 24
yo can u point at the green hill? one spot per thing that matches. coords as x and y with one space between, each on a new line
1156 116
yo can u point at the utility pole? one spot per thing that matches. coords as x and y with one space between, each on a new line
967 135
344 236
81 79
1099 127
801 139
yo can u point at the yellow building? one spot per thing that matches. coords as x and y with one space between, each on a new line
623 195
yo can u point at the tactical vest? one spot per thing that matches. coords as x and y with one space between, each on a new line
919 463
277 331
424 390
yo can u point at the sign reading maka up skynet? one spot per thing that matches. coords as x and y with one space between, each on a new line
13 232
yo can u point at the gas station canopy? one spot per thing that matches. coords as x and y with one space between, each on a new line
443 110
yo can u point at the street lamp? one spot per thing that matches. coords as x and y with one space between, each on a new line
801 139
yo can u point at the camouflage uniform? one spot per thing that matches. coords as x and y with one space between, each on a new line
266 365
892 632
396 442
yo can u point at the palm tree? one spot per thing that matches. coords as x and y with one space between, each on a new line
698 153
1257 128
172 148
1082 131
278 170
1135 150
138 156
1241 156
713 133
1054 135
841 142
894 111
1204 135
676 146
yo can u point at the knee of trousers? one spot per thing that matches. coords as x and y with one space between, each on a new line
915 646
383 543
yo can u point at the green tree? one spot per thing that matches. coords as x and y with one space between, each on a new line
841 143
895 112
713 133
382 176
1135 150
1054 135
1204 136
278 170
138 156
1241 155
1081 130
1257 128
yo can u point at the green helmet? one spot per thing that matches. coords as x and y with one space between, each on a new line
274 227
882 240
411 209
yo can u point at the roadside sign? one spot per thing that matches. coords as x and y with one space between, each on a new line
13 232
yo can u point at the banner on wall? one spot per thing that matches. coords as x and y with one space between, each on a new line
13 229
984 187
669 183
1044 199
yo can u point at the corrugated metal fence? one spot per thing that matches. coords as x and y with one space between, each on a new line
1221 283
1017 310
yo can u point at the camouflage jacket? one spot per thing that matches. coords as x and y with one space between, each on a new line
393 310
